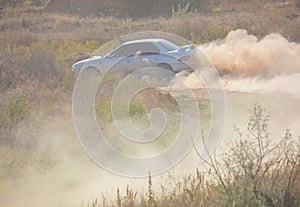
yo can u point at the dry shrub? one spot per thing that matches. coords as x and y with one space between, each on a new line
257 172
253 172
13 110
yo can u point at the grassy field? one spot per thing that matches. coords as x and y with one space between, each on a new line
38 45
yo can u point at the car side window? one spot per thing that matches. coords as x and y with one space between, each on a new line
124 51
168 45
135 48
148 49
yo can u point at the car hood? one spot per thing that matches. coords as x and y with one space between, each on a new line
89 59
87 62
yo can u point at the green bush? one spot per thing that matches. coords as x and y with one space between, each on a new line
103 107
136 109
12 112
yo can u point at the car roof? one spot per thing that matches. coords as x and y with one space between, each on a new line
144 41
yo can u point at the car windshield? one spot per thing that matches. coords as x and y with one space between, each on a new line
168 45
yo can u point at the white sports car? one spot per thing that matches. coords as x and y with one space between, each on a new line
138 54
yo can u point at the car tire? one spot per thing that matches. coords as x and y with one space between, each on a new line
92 71
166 67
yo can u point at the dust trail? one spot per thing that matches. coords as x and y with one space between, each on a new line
241 53
279 85
247 63
70 180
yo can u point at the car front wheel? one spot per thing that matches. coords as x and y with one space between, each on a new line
91 71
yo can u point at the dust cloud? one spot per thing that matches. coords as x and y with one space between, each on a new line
70 179
246 63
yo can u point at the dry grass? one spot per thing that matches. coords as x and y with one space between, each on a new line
206 27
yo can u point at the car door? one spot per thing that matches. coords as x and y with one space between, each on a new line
123 58
134 56
147 55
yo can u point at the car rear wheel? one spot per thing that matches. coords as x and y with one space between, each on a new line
166 67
